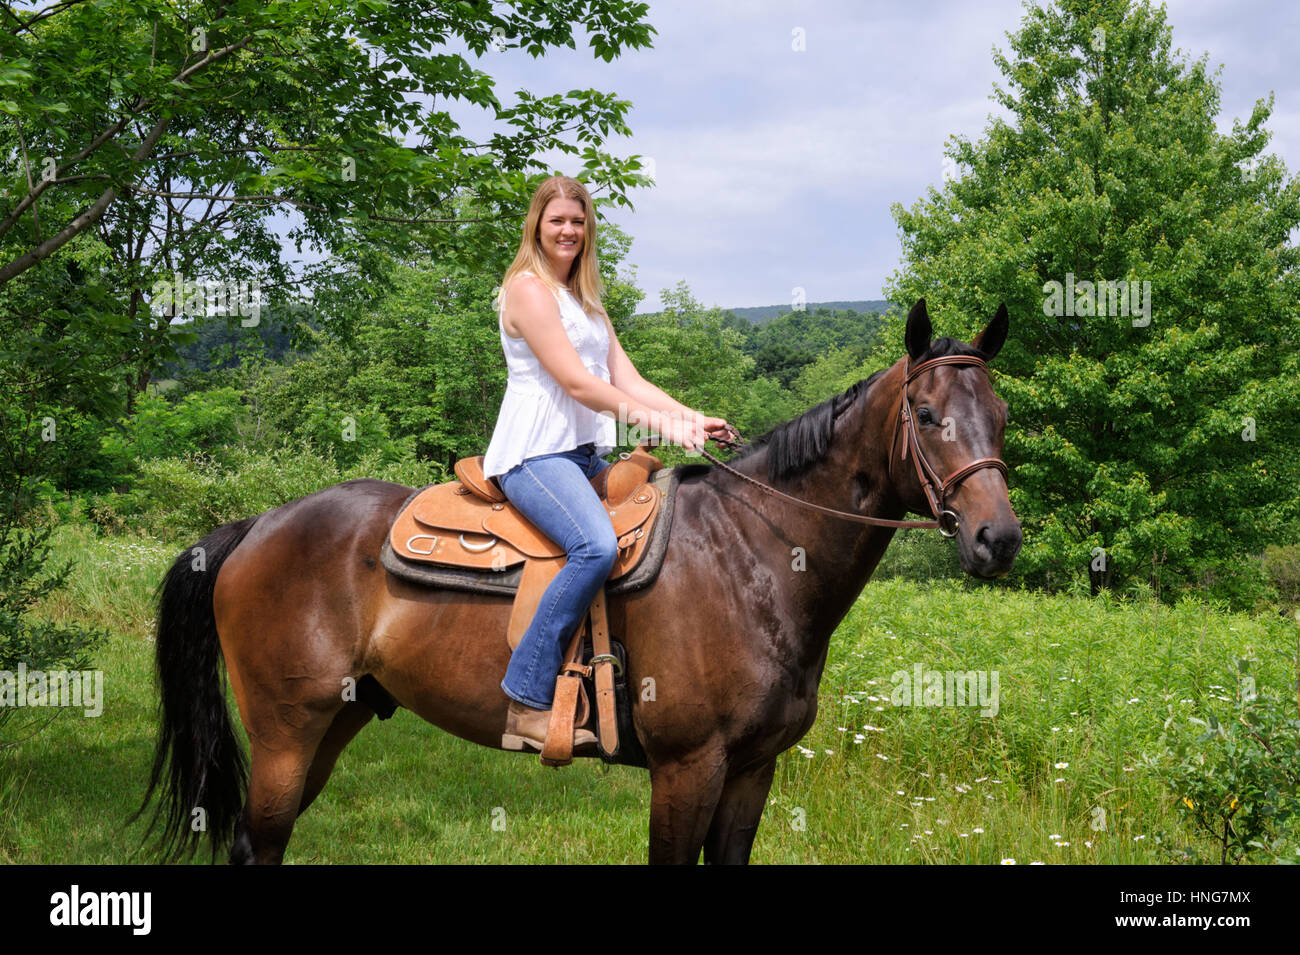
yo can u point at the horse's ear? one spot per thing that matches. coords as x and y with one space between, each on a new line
994 336
917 336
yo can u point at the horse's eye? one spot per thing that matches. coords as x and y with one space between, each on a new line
923 415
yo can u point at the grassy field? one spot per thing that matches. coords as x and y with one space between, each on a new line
1059 774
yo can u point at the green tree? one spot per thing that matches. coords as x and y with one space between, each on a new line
39 402
1154 431
829 374
44 394
425 365
695 355
200 421
173 133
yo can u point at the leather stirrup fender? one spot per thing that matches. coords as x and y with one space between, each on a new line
536 577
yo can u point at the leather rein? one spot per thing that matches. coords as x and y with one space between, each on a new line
936 489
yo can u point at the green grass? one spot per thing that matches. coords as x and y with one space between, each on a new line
1083 682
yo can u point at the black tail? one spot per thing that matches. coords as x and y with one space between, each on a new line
198 762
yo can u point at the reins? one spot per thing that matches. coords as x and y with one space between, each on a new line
936 489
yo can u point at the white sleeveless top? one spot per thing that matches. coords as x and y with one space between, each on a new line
537 415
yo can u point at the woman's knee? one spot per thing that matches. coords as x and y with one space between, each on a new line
602 546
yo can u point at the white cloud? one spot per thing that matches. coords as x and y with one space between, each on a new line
777 168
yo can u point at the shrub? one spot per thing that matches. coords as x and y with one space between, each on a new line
920 555
1239 779
199 422
1282 565
24 580
181 498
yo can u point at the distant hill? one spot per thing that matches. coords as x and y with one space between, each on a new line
762 313
783 342
220 344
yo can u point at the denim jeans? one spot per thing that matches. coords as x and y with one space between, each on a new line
554 492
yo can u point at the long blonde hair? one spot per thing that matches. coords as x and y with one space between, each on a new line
584 279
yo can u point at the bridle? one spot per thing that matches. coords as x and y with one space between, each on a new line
936 489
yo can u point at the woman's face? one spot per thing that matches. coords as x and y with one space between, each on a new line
562 232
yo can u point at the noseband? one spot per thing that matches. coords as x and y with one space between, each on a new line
936 490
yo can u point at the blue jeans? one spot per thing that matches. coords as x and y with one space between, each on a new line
554 492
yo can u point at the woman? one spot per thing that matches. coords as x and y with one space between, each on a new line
568 379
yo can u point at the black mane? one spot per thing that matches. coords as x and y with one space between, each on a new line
801 442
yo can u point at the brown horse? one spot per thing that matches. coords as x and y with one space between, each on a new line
733 632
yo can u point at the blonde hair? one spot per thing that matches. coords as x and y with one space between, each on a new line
584 279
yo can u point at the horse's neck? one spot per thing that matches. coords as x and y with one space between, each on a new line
838 555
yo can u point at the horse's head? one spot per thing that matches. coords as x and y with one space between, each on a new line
956 424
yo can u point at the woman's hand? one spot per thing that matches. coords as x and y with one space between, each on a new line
695 430
687 432
717 428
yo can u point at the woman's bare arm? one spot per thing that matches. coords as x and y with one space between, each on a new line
625 376
532 310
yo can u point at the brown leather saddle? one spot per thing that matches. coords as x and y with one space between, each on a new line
468 524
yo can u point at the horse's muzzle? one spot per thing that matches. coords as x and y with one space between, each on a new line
991 550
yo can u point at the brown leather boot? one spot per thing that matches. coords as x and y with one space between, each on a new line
526 729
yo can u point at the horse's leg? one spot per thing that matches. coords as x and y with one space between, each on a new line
279 762
683 795
285 729
347 724
735 822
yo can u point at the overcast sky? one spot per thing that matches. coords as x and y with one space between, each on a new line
777 168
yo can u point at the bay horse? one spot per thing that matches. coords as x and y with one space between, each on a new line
734 631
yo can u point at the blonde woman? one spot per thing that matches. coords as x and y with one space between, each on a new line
569 382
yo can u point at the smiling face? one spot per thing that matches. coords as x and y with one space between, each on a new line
562 234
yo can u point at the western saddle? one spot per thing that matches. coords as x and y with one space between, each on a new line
468 523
